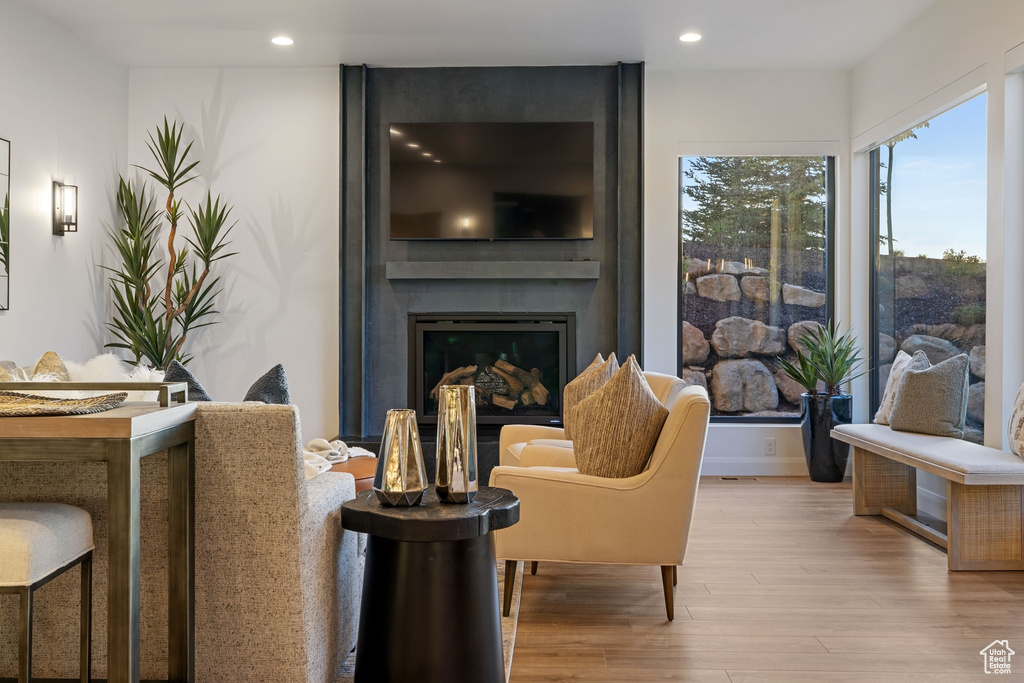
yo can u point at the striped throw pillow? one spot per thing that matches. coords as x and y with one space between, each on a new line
587 382
618 425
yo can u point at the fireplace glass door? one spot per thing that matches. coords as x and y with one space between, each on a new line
518 368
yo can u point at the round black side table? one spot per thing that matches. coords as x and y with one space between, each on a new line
430 593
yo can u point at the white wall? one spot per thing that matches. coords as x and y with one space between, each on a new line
269 143
65 110
733 113
948 53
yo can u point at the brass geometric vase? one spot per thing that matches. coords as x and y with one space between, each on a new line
401 477
456 444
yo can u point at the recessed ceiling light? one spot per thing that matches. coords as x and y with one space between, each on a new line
395 131
412 144
437 161
427 154
690 37
282 40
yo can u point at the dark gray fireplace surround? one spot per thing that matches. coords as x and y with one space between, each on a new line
383 281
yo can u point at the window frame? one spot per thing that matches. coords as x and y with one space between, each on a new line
875 388
875 235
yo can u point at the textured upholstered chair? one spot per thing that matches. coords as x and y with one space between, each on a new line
566 516
278 580
38 543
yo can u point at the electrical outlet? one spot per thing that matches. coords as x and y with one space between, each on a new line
769 446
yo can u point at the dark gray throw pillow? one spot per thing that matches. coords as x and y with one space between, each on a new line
933 401
176 372
270 388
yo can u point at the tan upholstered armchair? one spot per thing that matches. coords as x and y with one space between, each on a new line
566 516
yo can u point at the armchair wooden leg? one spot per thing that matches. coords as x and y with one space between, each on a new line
675 576
510 582
666 580
533 568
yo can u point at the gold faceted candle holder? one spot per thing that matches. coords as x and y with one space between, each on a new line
456 444
401 477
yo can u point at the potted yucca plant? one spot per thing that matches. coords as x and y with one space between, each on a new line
830 362
159 298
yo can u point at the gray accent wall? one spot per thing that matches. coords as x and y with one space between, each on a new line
375 307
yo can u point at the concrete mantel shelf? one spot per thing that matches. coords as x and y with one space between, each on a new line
493 270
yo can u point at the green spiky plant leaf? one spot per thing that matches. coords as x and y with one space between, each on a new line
5 233
171 170
832 358
802 372
155 327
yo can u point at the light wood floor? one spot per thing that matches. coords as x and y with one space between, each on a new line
781 583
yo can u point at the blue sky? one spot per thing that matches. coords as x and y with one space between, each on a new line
939 184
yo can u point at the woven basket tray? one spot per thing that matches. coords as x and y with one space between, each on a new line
13 404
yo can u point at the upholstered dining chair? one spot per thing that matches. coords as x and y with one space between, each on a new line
566 516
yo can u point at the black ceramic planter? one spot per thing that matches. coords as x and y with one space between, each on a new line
826 457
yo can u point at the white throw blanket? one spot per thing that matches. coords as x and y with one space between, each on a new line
320 455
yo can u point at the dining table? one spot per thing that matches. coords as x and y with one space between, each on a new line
121 437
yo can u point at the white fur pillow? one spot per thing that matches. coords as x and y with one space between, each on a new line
106 367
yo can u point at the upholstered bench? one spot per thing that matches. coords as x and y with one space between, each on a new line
984 500
39 542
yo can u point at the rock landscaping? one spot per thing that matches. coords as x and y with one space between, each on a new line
737 321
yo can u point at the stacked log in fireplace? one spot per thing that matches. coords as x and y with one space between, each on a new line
502 384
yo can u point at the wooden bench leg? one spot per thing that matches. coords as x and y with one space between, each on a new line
879 482
986 527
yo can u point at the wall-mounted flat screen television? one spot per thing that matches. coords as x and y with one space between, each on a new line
492 181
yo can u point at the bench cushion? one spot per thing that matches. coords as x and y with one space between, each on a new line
36 539
953 455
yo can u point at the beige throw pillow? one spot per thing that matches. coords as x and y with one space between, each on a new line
903 361
1015 428
618 425
51 366
933 401
587 382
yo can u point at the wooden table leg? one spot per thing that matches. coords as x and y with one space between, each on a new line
181 562
986 527
879 482
123 581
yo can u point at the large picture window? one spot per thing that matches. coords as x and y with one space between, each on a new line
754 236
929 229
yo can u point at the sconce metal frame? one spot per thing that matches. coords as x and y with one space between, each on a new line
65 208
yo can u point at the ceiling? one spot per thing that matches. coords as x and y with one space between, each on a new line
738 34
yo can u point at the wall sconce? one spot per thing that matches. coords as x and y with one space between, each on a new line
65 208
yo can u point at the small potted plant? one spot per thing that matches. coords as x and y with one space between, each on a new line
830 361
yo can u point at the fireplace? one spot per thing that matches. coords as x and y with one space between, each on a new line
517 362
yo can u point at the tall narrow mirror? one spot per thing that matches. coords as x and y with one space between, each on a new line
5 223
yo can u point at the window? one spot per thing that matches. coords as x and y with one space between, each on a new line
754 236
929 238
